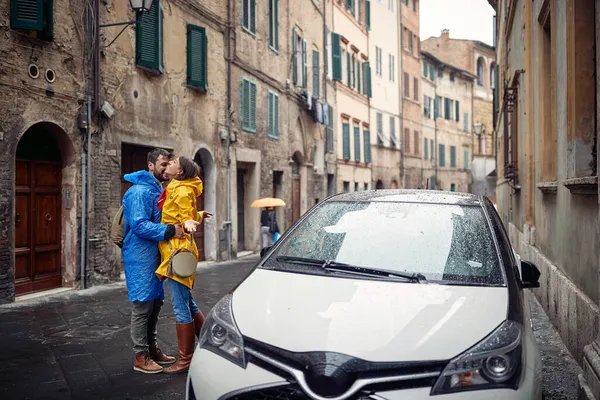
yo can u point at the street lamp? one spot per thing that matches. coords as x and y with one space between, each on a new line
478 129
139 6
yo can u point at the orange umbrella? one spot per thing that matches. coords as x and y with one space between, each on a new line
267 202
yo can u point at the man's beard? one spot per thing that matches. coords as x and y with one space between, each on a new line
160 177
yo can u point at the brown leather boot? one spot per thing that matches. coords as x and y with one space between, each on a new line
185 343
143 363
159 357
198 322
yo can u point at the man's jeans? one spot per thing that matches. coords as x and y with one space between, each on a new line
144 318
184 305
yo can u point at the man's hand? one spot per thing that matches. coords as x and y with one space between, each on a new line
179 232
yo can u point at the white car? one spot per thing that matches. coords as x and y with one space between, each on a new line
388 294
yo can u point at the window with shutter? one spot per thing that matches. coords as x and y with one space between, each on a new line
330 147
295 56
392 132
149 39
304 65
33 15
416 89
272 115
431 150
349 70
431 72
406 85
379 118
336 56
466 159
425 68
466 122
353 71
368 79
417 141
357 143
248 105
442 155
452 156
316 78
425 149
274 24
358 75
406 141
367 146
457 111
197 56
368 14
249 16
346 141
436 107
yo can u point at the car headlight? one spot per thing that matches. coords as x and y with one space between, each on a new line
493 363
221 335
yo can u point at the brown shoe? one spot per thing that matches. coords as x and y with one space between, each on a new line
159 357
198 322
185 343
143 363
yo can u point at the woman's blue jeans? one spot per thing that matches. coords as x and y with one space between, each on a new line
184 305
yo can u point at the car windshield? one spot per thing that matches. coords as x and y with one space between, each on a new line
446 243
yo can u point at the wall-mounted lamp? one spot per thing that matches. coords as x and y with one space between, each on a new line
139 6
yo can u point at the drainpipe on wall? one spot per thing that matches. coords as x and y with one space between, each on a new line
84 195
400 97
325 69
435 129
228 140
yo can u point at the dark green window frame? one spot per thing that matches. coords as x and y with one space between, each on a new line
197 57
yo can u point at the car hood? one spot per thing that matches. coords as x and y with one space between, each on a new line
369 319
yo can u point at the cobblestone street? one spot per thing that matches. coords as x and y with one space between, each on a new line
76 345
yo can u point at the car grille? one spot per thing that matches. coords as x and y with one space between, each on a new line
285 392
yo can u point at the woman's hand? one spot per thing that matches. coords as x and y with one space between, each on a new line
206 214
191 225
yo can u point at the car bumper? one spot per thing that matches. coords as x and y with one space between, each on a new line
212 377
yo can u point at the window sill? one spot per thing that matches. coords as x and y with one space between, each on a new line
586 186
249 130
548 187
249 32
273 49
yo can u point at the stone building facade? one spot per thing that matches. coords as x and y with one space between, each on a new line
478 59
410 42
547 160
351 72
242 102
386 106
447 118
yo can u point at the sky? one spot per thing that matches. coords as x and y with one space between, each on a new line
466 19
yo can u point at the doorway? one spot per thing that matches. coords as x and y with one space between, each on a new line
199 234
241 204
38 212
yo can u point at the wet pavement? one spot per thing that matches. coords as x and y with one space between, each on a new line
76 345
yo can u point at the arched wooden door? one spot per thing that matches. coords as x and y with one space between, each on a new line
38 205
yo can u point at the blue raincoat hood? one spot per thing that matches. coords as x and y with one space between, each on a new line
143 231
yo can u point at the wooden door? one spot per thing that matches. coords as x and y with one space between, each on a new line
295 198
37 226
199 235
133 159
240 210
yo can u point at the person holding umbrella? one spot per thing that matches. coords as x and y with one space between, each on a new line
269 230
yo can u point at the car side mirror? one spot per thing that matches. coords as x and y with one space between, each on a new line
265 250
530 275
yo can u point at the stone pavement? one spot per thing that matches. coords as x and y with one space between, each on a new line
76 344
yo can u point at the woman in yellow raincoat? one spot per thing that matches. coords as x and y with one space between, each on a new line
180 208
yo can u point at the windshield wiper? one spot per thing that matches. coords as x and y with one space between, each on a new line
331 265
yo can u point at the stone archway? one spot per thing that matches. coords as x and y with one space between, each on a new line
206 238
379 184
45 220
394 184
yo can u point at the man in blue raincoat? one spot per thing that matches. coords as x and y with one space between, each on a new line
143 231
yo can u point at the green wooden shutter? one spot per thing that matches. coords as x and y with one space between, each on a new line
276 117
358 74
148 41
431 150
270 105
367 78
252 16
425 68
253 106
336 56
243 114
431 72
436 108
349 75
346 141
27 14
466 158
442 155
304 65
425 149
367 145
316 78
368 14
295 56
452 156
457 111
197 56
276 22
357 143
466 122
